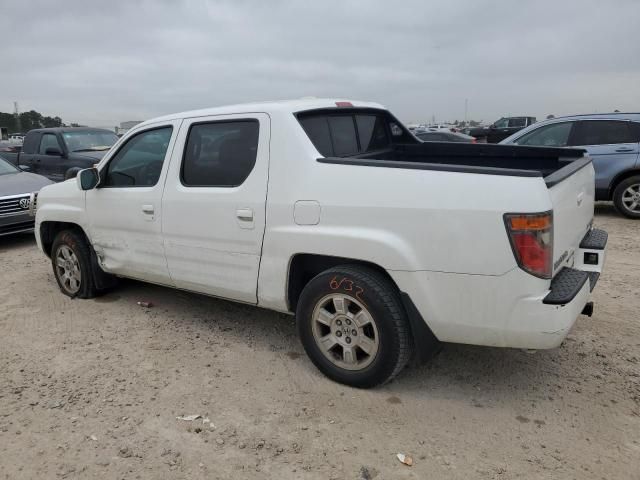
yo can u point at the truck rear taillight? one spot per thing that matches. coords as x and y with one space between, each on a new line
531 237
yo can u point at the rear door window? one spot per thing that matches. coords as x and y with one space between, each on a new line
220 154
604 132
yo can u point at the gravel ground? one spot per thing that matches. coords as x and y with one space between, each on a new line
92 388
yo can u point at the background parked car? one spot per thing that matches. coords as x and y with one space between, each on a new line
16 189
612 140
444 136
59 153
501 129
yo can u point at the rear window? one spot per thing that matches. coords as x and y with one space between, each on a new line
518 122
343 135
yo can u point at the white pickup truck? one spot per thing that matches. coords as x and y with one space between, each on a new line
382 246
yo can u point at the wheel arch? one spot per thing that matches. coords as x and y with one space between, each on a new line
50 229
304 266
621 177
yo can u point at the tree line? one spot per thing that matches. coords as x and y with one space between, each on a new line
29 121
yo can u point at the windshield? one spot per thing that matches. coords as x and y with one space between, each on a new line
88 140
6 167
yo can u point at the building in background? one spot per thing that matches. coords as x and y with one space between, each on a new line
126 126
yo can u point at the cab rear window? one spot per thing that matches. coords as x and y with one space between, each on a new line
346 134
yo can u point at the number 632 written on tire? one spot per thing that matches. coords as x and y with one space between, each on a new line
346 285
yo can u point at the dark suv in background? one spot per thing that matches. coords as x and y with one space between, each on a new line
501 129
613 142
59 153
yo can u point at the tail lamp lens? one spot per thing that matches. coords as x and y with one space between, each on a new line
531 237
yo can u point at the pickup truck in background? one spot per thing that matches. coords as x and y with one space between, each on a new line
501 129
60 153
380 244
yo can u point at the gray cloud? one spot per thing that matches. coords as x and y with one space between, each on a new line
104 62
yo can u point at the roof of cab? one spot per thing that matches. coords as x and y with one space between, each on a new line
282 106
69 129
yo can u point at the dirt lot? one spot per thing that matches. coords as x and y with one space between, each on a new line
93 388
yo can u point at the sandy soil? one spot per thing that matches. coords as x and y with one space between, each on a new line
92 389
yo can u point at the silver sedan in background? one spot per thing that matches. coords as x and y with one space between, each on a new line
18 191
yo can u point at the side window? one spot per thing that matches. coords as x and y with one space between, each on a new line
603 132
138 162
554 135
220 154
634 128
502 123
518 122
49 140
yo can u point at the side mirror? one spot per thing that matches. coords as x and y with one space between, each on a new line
24 168
492 127
88 178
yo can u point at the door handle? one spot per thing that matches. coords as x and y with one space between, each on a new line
148 209
245 214
624 149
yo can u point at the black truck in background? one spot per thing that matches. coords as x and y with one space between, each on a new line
60 153
501 129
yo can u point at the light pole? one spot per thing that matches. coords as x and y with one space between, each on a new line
466 108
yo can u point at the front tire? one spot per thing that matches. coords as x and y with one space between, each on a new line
71 261
353 326
626 197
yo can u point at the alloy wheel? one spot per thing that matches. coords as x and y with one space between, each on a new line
68 269
345 331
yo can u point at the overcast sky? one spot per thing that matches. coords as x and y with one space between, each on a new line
100 63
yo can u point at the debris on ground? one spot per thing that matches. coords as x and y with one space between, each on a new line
189 418
145 304
406 459
209 423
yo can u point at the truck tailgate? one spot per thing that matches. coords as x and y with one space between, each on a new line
572 196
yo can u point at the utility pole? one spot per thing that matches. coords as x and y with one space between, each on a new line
16 114
466 108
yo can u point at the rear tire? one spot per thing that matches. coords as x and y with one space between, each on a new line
353 326
71 261
626 197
